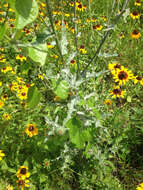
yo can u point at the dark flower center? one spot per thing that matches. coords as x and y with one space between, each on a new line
23 94
117 91
135 32
135 13
5 96
72 61
80 6
31 128
23 171
122 75
82 47
139 78
117 66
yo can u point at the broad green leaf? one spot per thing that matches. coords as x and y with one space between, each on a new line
23 8
78 136
42 178
12 3
129 99
25 68
27 17
33 97
2 30
11 170
38 53
61 89
4 165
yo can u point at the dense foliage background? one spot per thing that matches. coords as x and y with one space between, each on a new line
71 95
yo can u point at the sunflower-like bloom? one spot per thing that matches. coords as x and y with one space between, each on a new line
97 27
23 173
80 6
22 183
117 92
6 116
138 79
114 66
82 49
108 102
140 187
21 58
1 154
137 3
31 130
122 76
135 15
135 34
6 69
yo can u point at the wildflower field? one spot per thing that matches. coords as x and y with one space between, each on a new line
71 94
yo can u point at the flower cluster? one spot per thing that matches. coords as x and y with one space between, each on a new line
21 88
121 76
135 34
22 175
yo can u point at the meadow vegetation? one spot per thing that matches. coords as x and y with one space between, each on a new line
71 95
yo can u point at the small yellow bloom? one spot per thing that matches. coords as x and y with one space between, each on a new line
4 97
31 130
122 76
82 49
1 154
11 10
43 4
2 59
138 79
6 116
22 95
80 7
67 14
97 27
0 83
50 46
1 103
104 18
117 92
73 62
135 34
108 102
6 69
114 66
140 187
121 36
137 3
135 15
23 173
41 76
21 58
5 5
